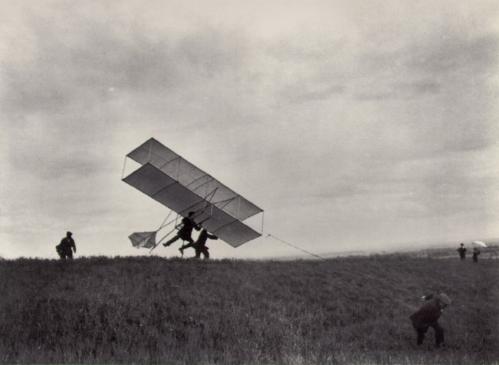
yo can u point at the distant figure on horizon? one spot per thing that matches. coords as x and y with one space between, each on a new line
427 316
462 251
185 232
66 248
476 252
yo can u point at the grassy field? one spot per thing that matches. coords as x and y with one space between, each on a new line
150 310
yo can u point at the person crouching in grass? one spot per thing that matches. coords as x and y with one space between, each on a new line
427 316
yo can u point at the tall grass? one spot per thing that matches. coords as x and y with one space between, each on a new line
153 310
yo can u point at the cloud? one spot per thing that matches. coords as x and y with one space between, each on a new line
374 120
299 94
84 61
396 195
79 81
404 90
419 87
457 52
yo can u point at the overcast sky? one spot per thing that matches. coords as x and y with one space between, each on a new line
355 125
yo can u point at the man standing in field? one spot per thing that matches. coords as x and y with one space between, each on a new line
66 248
476 252
427 316
185 232
462 251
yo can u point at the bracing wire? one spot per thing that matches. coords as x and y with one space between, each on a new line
164 224
295 246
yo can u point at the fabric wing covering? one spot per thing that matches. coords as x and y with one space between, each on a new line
143 239
182 187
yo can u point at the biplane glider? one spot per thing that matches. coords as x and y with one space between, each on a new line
182 187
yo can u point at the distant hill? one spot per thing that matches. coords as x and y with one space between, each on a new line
146 310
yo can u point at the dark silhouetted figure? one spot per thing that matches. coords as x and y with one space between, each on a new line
476 252
66 248
427 316
462 251
185 232
200 244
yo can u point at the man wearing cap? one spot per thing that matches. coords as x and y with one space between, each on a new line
427 316
66 248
